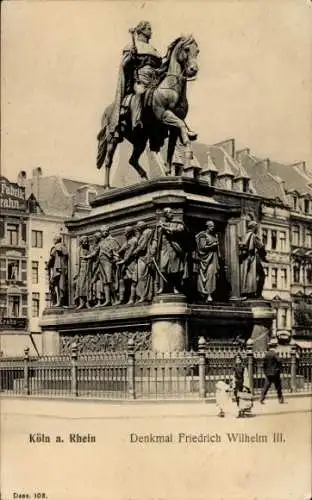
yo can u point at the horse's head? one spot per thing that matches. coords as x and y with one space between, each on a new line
186 54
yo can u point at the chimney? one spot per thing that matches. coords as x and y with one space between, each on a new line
21 178
241 154
228 146
301 166
35 182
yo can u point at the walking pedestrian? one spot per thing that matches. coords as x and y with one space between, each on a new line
272 371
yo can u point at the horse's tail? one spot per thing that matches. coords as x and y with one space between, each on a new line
102 137
102 147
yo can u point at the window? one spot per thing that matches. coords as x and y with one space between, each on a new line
295 235
46 276
245 185
274 239
265 237
296 272
295 203
274 277
37 239
35 305
12 234
13 270
308 238
306 206
309 274
283 278
35 272
14 306
282 317
282 241
47 300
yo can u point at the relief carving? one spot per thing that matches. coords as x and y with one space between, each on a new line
100 342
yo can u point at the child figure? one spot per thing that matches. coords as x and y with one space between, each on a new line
223 397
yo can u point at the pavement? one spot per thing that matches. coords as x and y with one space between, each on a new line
72 450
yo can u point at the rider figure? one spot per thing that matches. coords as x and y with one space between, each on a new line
140 63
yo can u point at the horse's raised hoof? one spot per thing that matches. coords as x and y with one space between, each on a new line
139 169
192 135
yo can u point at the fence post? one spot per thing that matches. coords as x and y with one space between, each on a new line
202 367
74 381
250 364
26 388
293 384
131 368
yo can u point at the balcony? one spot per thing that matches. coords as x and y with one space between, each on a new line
13 323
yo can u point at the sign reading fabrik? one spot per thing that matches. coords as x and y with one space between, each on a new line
12 196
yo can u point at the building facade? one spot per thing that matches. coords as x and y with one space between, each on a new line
35 209
13 268
51 200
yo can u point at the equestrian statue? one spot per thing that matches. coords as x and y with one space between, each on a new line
150 103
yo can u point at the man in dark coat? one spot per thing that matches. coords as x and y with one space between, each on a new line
272 371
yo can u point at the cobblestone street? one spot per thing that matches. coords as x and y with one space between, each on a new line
84 450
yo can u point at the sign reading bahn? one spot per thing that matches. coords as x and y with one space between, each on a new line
12 196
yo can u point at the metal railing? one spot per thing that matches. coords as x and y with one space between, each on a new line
147 375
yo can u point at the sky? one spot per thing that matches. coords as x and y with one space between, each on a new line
60 59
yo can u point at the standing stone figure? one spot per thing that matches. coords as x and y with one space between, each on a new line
252 254
142 253
128 267
58 272
95 283
105 256
170 258
83 275
207 260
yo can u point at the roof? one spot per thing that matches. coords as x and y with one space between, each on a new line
292 178
264 183
72 186
55 195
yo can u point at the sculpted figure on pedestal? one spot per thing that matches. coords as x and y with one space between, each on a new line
144 262
168 250
58 272
96 282
207 261
252 254
83 275
128 267
151 99
105 256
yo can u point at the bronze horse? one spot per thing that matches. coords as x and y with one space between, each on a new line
165 109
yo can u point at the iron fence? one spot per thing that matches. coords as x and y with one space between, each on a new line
147 375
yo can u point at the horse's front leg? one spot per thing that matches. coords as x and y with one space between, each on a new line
171 120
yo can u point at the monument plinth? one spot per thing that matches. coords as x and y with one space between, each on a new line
158 262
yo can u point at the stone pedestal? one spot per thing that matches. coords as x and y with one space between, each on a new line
168 324
50 343
168 335
263 316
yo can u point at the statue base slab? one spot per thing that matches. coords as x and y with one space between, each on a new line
169 323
